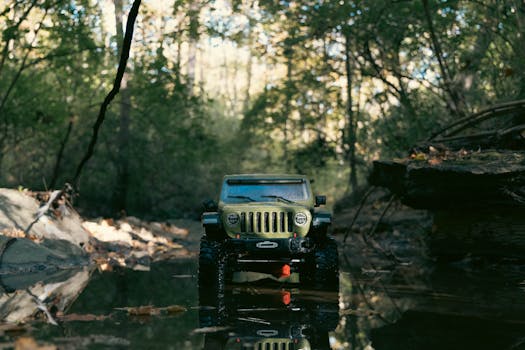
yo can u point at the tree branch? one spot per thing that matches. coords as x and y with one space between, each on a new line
442 64
22 18
22 66
133 12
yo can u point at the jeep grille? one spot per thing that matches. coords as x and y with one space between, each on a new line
275 345
267 222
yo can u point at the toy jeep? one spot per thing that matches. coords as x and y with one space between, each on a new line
267 223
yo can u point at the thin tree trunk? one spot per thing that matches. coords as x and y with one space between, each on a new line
520 25
287 108
201 72
249 64
350 122
121 182
23 66
5 50
457 106
56 170
227 94
193 14
178 68
234 86
128 36
192 56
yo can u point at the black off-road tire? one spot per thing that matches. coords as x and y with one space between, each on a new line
211 279
322 267
212 265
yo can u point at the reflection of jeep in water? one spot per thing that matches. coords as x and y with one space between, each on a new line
267 223
266 316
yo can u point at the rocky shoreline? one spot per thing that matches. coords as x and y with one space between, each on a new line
48 251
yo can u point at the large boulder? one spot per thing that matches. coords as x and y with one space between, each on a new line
18 211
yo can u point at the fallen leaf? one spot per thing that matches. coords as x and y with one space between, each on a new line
434 161
13 232
175 309
146 310
82 317
419 156
149 310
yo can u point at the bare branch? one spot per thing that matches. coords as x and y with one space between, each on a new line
114 91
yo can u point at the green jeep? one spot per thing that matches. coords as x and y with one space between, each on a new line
267 223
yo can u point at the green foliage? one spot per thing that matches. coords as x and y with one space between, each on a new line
410 74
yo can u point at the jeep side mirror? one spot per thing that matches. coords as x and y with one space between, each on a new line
210 205
320 200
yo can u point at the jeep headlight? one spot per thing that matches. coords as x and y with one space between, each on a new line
232 219
300 219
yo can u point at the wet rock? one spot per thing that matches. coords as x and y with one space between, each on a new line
24 256
18 211
22 297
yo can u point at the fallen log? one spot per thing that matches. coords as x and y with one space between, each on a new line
475 180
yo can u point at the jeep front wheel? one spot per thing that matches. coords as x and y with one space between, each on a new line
212 266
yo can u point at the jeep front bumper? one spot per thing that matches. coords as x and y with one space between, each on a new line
278 247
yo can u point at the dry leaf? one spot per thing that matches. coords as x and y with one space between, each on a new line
147 310
434 161
420 156
82 317
175 309
150 310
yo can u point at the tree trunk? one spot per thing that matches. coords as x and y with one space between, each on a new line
351 123
56 170
122 178
22 18
234 108
178 57
226 75
457 104
124 55
248 5
193 15
249 63
520 25
287 107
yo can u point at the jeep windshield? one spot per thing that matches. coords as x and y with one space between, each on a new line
263 190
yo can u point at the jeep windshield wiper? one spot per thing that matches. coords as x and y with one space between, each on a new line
243 197
286 200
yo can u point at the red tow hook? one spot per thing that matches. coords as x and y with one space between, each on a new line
285 271
282 272
286 297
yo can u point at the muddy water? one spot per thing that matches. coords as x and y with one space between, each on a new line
380 304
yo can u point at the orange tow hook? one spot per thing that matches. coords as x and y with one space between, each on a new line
286 297
285 271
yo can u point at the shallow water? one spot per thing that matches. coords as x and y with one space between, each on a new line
406 306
